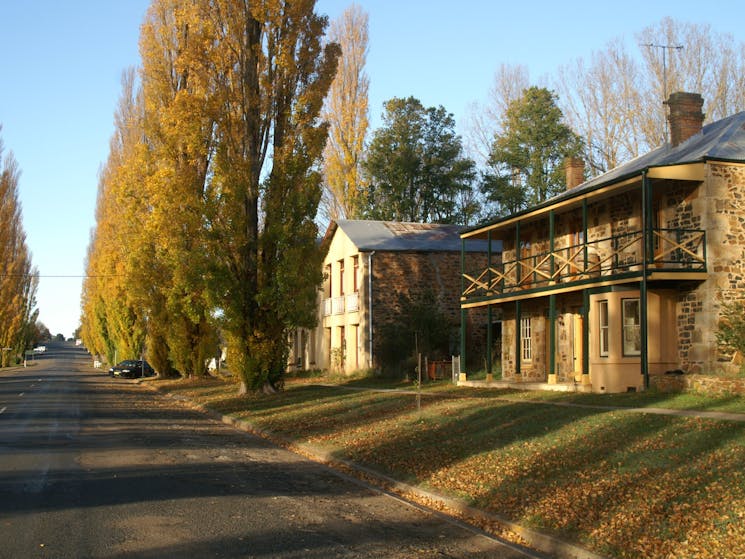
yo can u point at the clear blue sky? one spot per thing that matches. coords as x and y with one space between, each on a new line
62 60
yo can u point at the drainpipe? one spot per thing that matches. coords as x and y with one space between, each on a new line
369 305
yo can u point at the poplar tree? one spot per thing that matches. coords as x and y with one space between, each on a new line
225 181
18 278
346 111
113 321
272 72
179 128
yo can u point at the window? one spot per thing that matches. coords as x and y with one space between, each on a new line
631 318
604 332
355 273
525 340
327 274
341 277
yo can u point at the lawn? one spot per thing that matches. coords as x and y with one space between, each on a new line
623 484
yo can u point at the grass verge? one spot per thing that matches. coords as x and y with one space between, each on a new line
622 484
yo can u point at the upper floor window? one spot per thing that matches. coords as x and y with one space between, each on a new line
341 277
355 273
327 274
631 319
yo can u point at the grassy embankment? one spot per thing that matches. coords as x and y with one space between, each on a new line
623 484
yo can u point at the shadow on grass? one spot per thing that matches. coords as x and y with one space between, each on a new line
621 483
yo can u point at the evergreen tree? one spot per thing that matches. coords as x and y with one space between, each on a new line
525 164
415 167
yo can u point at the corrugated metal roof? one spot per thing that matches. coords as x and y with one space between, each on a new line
720 140
723 140
398 236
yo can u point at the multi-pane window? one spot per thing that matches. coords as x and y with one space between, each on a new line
631 318
355 272
327 273
604 328
525 339
341 277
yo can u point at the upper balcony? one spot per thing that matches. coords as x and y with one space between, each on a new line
342 304
672 254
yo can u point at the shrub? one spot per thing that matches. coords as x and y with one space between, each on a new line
731 327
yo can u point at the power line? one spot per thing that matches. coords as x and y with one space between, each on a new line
43 276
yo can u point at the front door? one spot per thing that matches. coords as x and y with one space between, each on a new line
577 349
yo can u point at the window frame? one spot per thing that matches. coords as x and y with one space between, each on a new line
341 277
355 273
526 340
625 327
603 328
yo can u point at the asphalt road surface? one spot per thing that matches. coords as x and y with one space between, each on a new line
92 466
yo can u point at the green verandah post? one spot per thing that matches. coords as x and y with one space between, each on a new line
462 310
551 300
518 271
488 308
646 253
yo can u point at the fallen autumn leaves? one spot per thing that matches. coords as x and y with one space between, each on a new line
623 484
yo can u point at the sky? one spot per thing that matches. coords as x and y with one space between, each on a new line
62 61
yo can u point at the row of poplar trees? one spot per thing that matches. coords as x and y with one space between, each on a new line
18 278
205 228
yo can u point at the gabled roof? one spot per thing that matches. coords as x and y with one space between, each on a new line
723 140
401 237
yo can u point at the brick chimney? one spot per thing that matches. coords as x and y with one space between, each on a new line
574 167
686 118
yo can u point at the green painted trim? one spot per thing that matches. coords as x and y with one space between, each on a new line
518 348
463 311
648 253
463 340
488 264
584 232
552 334
586 332
489 342
518 267
551 241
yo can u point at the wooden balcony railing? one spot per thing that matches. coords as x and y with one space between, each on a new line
681 250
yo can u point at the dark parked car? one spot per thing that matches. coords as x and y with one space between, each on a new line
132 369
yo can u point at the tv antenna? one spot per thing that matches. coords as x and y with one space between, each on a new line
664 49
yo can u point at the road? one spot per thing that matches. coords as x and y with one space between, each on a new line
92 466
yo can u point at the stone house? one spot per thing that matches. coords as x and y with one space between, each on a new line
370 267
622 277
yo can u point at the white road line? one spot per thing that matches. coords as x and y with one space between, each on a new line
4 408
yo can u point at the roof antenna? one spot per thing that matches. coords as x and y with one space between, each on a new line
664 48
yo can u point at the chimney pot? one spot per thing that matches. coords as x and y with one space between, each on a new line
686 118
574 167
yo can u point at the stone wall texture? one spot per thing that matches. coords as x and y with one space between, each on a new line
719 208
407 275
699 384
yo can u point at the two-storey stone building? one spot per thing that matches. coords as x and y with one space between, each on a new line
368 266
623 276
